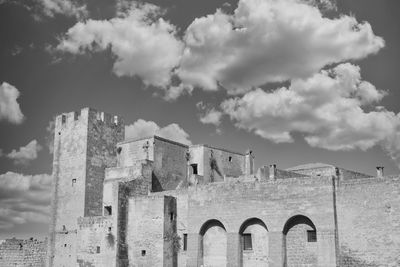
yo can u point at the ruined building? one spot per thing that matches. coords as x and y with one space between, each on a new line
156 202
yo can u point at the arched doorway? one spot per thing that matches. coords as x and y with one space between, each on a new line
300 242
213 244
254 243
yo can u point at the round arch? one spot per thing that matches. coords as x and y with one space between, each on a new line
297 219
210 223
251 221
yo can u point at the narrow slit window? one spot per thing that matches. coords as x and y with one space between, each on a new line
171 216
184 242
311 236
98 249
194 168
247 242
230 159
107 210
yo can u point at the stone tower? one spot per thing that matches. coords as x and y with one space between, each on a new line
84 145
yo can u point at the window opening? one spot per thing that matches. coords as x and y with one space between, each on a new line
247 242
107 210
73 182
194 168
143 252
311 236
230 159
98 249
184 242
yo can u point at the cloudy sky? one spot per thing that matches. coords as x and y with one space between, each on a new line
296 81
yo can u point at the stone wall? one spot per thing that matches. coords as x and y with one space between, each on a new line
151 231
23 253
273 203
368 212
96 242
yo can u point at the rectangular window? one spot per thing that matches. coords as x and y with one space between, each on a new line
247 242
230 159
107 210
143 252
97 249
194 168
184 242
311 236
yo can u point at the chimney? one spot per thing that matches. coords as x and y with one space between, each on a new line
272 172
379 171
249 162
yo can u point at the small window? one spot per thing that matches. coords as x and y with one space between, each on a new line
119 149
230 159
194 168
77 114
63 119
64 228
73 182
65 245
311 236
171 216
107 210
98 249
109 229
247 242
143 252
184 242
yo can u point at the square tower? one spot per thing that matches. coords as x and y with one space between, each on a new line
84 145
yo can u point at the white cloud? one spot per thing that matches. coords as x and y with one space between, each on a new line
143 44
24 199
9 107
25 153
142 128
269 41
209 115
50 8
326 108
68 8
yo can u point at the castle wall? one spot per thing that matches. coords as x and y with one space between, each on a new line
170 165
23 253
368 213
132 151
274 203
96 242
151 228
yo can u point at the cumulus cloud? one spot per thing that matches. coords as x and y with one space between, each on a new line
327 108
143 43
142 128
269 41
25 153
9 107
24 199
209 115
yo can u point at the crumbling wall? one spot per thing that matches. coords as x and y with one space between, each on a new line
368 212
23 253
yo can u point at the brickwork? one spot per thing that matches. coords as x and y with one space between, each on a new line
22 253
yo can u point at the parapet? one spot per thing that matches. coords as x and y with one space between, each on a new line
66 120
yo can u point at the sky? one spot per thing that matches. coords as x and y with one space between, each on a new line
295 81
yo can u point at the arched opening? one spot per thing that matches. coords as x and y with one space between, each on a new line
213 244
254 243
300 242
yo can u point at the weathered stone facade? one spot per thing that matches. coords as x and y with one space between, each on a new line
156 202
22 253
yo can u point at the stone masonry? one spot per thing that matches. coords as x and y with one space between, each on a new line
156 202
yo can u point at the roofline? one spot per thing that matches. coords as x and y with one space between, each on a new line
218 148
131 140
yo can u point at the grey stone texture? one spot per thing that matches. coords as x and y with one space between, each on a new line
156 202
